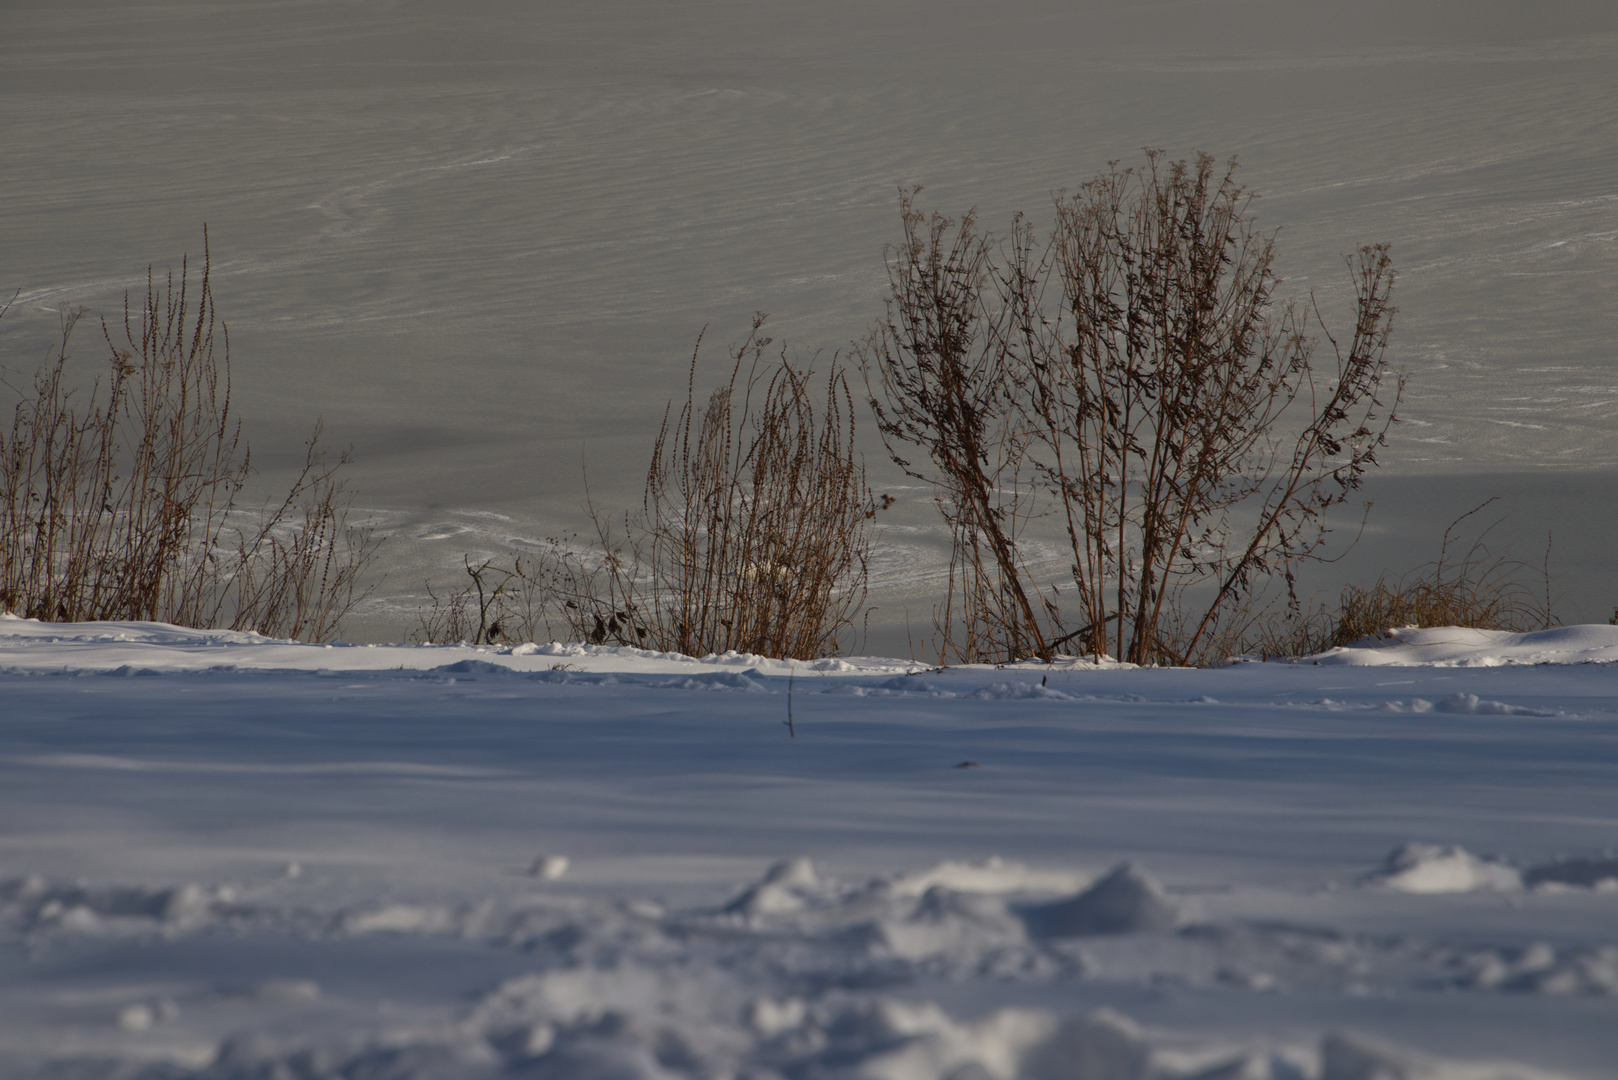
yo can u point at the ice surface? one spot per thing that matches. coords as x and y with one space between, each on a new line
266 859
481 237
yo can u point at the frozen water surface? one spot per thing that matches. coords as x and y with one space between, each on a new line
479 236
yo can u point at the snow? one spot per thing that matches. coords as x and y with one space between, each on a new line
267 859
1454 646
1429 868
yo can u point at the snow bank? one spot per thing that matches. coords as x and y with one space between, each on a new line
1432 868
1126 901
137 647
1452 646
134 647
1429 869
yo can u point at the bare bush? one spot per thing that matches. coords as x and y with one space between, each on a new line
478 613
599 594
941 365
120 500
1134 376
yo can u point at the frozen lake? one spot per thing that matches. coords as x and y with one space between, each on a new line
480 238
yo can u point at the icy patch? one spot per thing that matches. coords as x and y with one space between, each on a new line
1431 868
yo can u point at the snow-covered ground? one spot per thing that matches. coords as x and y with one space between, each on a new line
228 857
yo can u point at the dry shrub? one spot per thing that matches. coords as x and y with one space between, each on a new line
120 500
754 533
938 370
1133 376
568 589
474 613
596 593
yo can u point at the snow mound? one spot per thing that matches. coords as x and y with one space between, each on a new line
1454 646
719 680
1355 1057
133 648
1126 901
126 671
470 667
786 887
1542 971
904 684
1429 869
993 875
112 911
1103 1045
1472 705
787 980
1017 691
1460 704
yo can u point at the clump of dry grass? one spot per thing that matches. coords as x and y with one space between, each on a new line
121 500
757 514
754 533
1482 589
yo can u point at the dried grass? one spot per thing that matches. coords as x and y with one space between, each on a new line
754 533
1481 589
121 501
